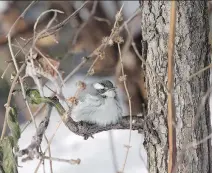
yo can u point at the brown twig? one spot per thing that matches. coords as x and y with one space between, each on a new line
112 35
49 149
63 84
123 79
171 106
130 105
16 66
14 59
196 143
60 25
99 19
3 74
70 161
44 31
22 15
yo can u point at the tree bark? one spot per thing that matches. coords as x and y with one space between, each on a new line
191 55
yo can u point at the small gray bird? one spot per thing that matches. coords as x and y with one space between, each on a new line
98 103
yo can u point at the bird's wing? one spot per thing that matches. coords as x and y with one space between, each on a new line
89 89
85 108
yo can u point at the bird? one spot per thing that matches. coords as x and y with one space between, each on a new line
98 103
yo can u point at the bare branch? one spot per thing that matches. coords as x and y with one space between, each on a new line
171 105
70 161
33 149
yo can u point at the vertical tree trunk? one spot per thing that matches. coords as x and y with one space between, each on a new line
191 55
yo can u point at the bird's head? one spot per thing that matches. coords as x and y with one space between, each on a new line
105 88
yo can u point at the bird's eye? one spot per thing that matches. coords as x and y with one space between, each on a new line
103 90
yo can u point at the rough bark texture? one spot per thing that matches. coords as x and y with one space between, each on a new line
191 55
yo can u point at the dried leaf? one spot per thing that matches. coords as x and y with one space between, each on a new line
73 100
81 85
47 67
43 67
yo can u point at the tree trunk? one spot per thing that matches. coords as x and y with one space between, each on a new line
191 55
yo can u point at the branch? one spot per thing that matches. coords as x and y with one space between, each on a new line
83 128
171 105
88 130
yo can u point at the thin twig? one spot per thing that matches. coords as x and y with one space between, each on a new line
21 16
100 19
130 106
44 31
196 143
123 79
60 25
23 51
112 148
70 161
112 35
171 106
63 84
14 59
3 74
49 149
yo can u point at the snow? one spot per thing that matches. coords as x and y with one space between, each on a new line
95 154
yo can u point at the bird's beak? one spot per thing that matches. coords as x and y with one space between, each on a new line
114 88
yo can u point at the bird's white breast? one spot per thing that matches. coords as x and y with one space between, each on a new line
94 110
